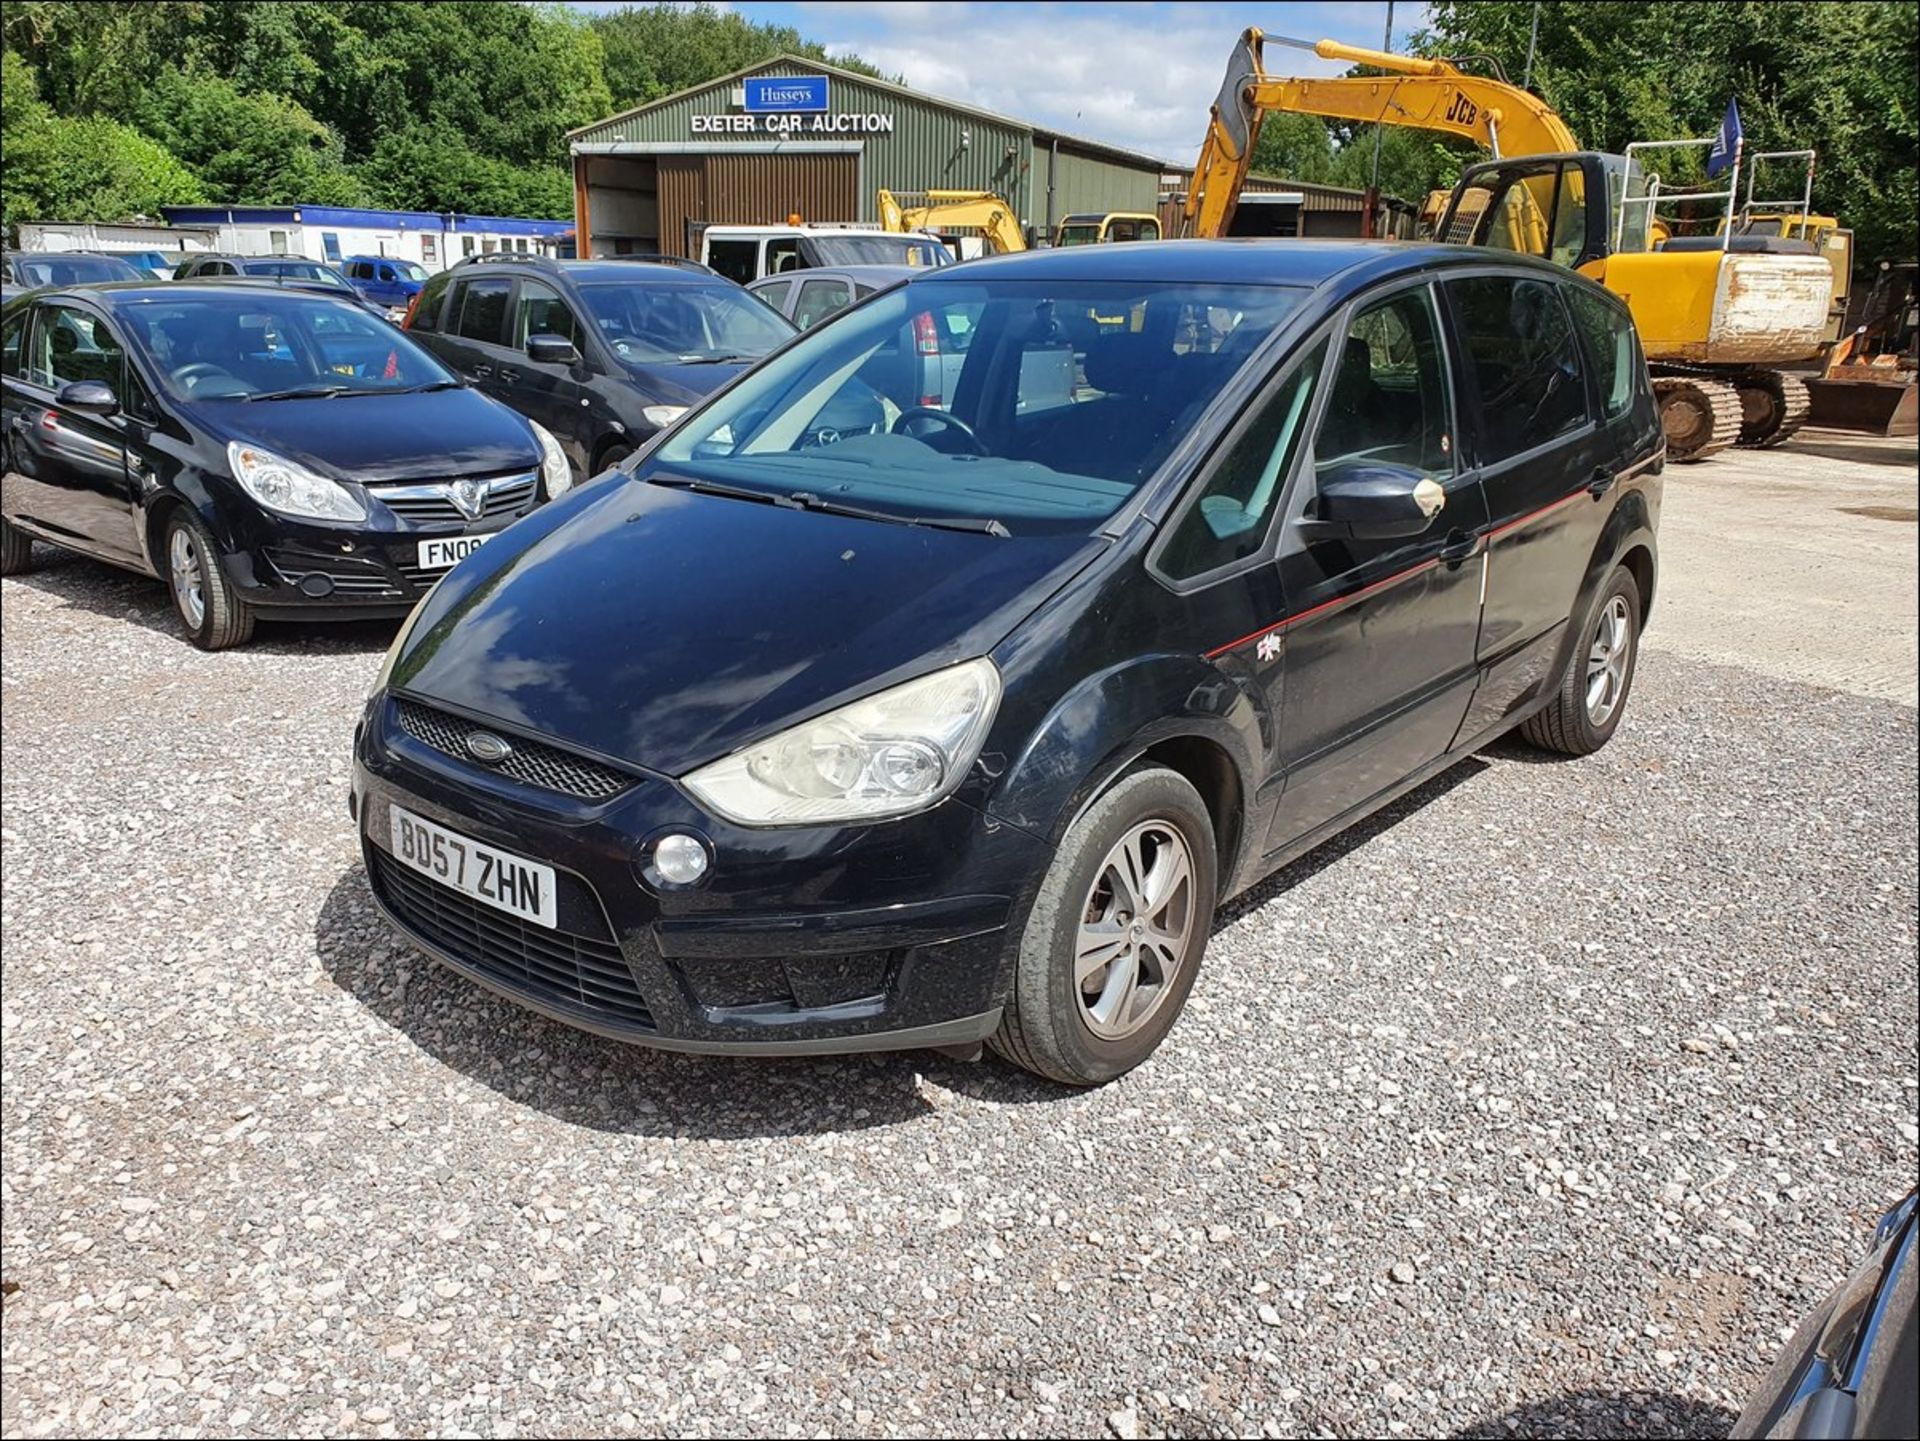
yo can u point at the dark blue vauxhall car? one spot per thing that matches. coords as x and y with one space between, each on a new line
958 726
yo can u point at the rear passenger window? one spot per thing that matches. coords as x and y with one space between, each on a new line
1229 519
1606 334
483 309
1521 352
774 296
1389 399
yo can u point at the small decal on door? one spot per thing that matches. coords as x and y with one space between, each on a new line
1269 647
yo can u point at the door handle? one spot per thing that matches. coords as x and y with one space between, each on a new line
1459 549
507 372
481 372
1602 481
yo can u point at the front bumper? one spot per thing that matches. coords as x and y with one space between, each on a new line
885 936
286 567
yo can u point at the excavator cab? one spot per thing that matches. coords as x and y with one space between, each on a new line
1545 206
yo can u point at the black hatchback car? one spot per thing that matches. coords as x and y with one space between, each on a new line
601 352
960 727
267 451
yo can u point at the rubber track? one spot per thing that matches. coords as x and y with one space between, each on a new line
1721 397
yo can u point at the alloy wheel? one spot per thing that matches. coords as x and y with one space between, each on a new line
1135 930
1607 661
183 563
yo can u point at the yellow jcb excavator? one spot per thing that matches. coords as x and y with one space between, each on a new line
1717 314
979 210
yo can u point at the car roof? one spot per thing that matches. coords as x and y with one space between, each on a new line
865 274
643 272
113 292
1293 262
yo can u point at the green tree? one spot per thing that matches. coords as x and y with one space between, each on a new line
247 149
1838 79
86 169
430 168
655 50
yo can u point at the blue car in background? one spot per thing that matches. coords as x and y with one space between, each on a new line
384 279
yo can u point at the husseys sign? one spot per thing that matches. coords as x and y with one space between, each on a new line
790 105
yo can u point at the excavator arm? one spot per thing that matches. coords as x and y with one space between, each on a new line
980 210
1421 94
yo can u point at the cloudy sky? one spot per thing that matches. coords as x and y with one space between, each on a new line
1137 75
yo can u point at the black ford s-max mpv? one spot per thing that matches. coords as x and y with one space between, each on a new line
959 727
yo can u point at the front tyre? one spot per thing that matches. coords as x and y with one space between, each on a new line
214 616
1593 692
16 550
1114 939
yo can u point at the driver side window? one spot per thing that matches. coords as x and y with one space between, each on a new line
1389 400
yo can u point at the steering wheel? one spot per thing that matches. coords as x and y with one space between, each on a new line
943 417
191 374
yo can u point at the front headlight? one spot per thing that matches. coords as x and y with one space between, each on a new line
280 485
662 415
555 473
887 755
399 642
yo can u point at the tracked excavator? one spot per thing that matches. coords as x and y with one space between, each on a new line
980 210
1718 314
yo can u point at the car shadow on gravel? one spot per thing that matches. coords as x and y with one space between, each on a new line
1606 1413
1349 841
587 1080
79 583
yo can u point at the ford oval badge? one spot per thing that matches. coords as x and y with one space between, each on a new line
488 747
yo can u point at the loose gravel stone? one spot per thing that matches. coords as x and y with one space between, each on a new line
269 1170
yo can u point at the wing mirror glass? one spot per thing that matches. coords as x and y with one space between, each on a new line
89 397
551 350
1374 500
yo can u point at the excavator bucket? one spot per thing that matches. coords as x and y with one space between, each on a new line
1889 406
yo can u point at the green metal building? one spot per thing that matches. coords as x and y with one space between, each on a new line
794 137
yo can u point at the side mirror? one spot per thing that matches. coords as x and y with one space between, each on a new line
89 397
551 350
1374 500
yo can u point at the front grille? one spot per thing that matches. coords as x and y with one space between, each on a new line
531 763
580 971
349 577
433 503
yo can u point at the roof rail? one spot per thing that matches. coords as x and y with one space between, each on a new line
526 257
677 262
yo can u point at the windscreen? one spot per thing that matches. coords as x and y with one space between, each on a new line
1079 235
683 322
407 270
868 248
1038 405
72 269
267 342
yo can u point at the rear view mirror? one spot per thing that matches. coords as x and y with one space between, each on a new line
551 350
89 397
1374 500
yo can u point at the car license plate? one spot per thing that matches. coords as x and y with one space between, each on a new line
506 882
449 550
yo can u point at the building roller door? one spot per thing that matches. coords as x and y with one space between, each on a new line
754 189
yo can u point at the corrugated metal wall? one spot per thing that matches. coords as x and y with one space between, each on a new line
932 146
1087 184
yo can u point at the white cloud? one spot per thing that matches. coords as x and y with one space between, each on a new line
1141 77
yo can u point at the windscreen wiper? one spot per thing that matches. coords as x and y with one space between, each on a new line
414 389
731 492
730 358
309 392
981 525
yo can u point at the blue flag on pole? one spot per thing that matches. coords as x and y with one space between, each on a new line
1726 145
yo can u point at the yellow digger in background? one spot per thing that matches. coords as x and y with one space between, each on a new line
1717 314
979 210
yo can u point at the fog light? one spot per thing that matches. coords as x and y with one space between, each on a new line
679 860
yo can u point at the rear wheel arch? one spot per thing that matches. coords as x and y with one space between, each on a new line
1639 560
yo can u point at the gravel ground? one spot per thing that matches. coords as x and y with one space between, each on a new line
1543 1104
